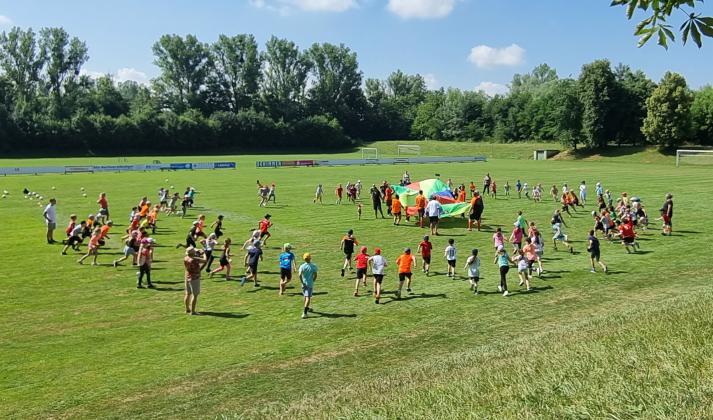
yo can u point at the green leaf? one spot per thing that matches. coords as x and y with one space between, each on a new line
631 8
706 20
696 35
669 33
705 29
644 39
687 29
662 39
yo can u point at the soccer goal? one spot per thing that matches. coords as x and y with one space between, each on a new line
369 153
694 157
408 149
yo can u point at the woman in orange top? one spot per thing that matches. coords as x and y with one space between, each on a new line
396 209
405 263
421 207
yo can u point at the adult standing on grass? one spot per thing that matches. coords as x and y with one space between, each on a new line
594 252
378 265
434 211
376 201
486 184
667 215
308 275
192 262
50 216
145 260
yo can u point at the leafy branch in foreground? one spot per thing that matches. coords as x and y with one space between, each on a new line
695 25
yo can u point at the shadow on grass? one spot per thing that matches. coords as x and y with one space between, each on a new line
328 315
261 287
167 289
533 290
224 315
414 296
168 282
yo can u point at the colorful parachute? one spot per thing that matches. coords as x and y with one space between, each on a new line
430 187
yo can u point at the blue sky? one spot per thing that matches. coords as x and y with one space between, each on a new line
459 43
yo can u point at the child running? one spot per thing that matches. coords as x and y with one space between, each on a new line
362 263
347 246
405 263
209 245
378 265
472 268
318 194
559 235
93 247
396 209
308 275
424 248
225 261
287 266
595 252
522 268
450 255
502 259
253 256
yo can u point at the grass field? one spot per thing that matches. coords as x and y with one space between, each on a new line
82 341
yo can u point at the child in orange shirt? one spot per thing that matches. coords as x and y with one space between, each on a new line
396 209
405 263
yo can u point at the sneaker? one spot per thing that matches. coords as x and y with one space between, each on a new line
151 286
114 264
521 283
529 289
500 289
398 294
304 315
475 292
243 280
376 301
342 272
356 294
606 270
408 290
592 271
505 293
256 285
138 286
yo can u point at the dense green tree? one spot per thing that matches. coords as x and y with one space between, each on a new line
702 115
21 61
629 110
65 57
234 80
668 117
184 65
285 79
337 85
597 91
531 82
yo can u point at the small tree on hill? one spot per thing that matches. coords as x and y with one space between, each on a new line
668 119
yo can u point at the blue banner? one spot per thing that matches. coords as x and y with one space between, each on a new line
224 165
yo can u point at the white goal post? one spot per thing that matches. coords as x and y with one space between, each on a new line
701 157
369 153
408 149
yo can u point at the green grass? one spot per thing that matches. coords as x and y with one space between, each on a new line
81 341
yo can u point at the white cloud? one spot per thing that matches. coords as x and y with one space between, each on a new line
492 89
484 56
284 7
421 9
125 74
121 75
431 82
5 21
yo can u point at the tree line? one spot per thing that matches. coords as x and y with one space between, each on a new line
232 95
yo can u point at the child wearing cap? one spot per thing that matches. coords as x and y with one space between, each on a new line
287 266
378 265
225 260
308 275
145 260
450 254
362 262
472 267
424 248
405 263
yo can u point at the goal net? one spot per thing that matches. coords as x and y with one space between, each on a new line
408 149
369 153
694 157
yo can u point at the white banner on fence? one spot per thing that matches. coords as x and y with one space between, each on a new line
30 170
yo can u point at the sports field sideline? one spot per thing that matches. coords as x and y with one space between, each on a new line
82 341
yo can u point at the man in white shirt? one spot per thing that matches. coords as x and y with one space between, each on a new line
583 193
378 265
50 215
433 211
